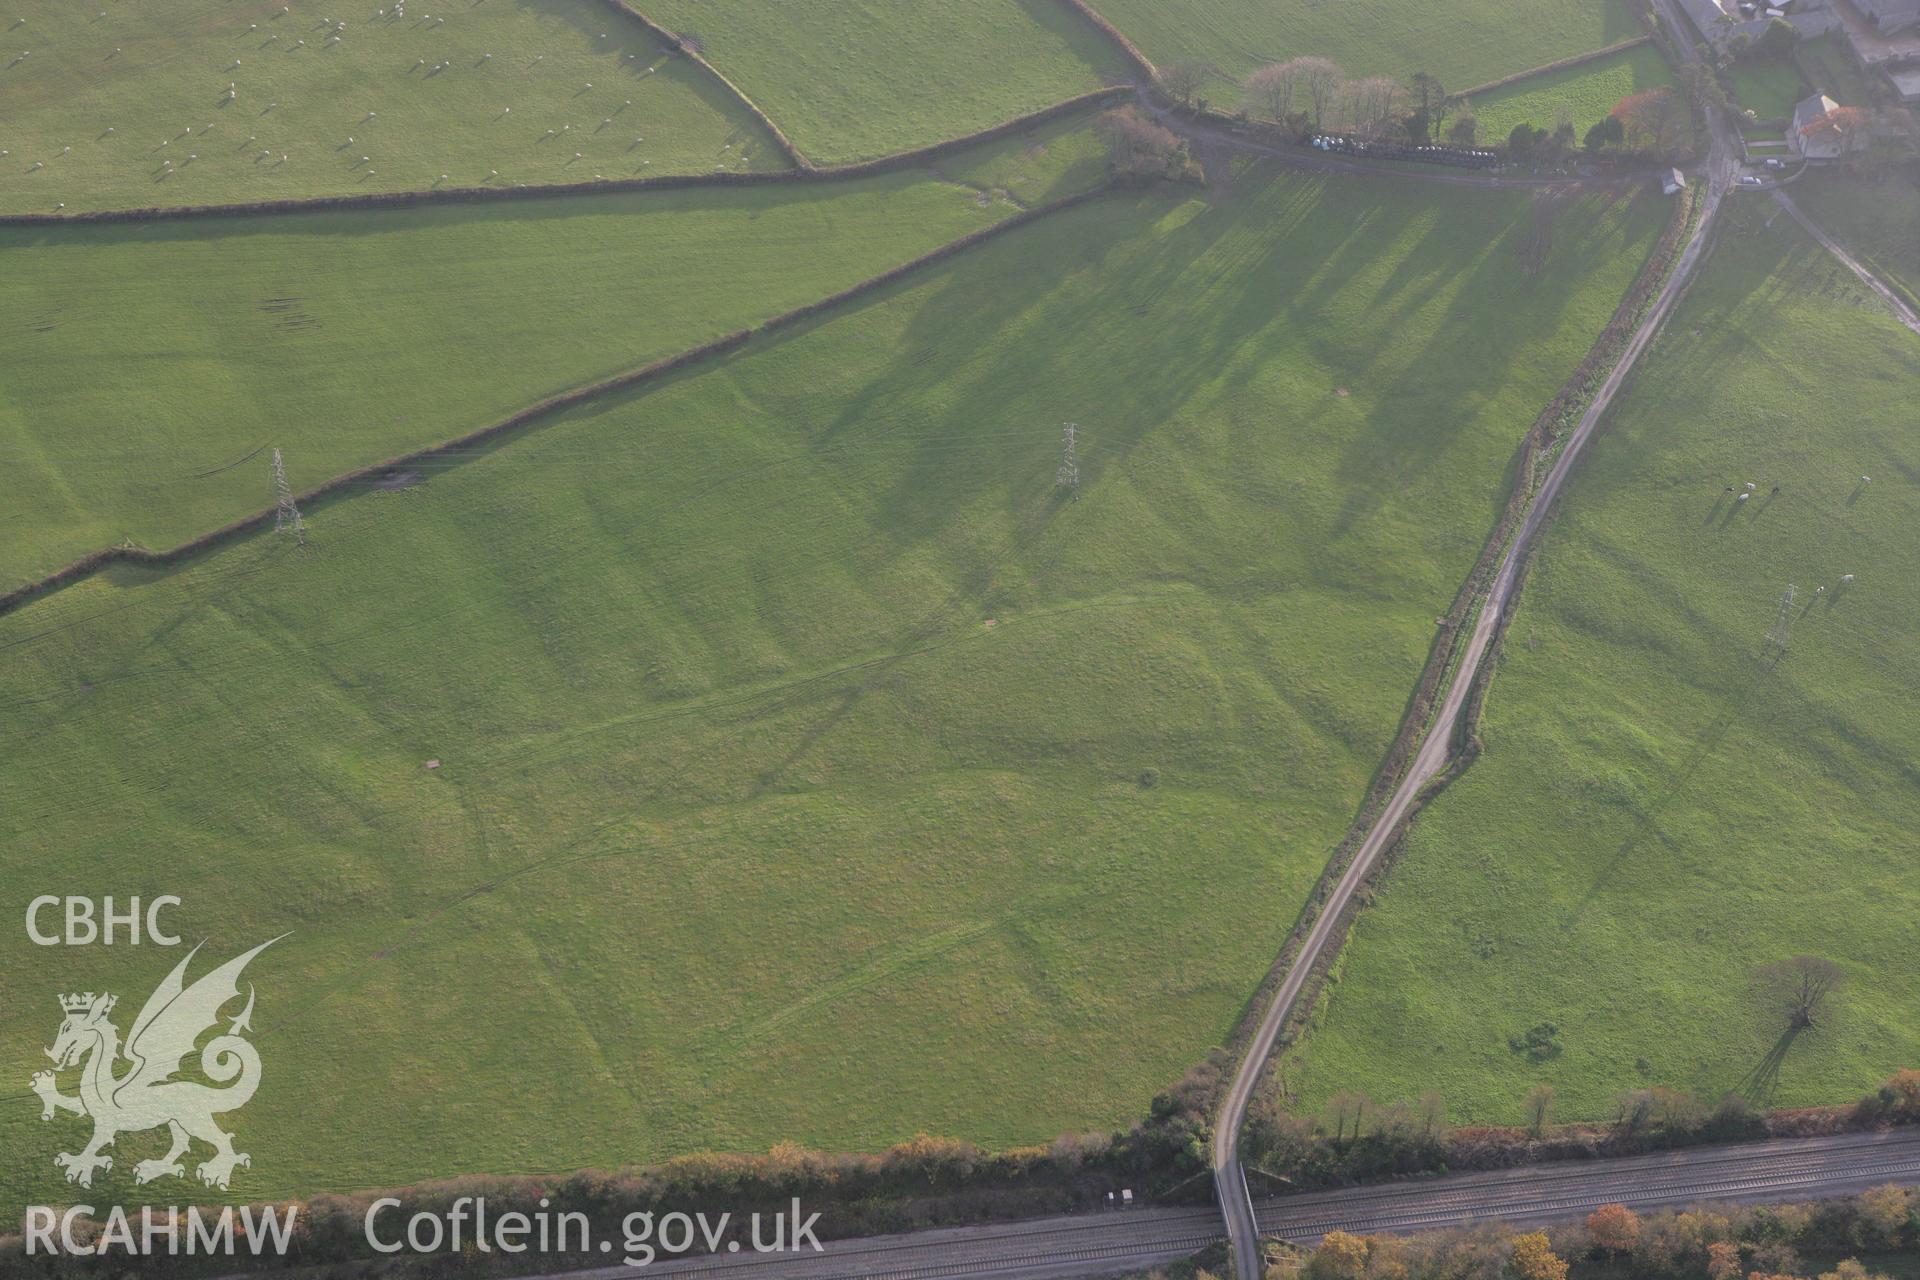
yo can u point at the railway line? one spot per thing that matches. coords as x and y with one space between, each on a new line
1138 1240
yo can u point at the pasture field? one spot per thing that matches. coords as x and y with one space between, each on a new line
1465 43
811 767
1586 93
1877 218
1771 90
131 108
856 79
1662 806
148 362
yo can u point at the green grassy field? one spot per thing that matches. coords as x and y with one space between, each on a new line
1770 90
1661 807
1586 93
148 362
811 768
862 78
1465 43
1876 218
131 108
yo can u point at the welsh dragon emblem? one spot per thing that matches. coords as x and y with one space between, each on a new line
146 1095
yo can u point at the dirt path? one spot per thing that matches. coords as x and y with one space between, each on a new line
1436 751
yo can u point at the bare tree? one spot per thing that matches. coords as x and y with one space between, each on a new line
1184 80
1539 1107
1320 78
1345 1109
1274 87
1372 103
1800 988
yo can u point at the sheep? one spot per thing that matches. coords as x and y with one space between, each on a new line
1846 577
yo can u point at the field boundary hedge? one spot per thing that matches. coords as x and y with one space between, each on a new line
1414 725
1141 64
1578 59
95 561
671 39
663 182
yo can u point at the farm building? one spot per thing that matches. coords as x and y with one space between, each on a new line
1672 182
1890 17
1824 130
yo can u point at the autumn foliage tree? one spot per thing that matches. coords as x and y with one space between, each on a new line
1534 1258
1340 1256
1654 119
1723 1260
1614 1227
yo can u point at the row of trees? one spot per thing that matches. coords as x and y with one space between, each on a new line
1313 94
1310 95
1697 1244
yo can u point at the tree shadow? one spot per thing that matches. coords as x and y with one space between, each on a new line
1758 1084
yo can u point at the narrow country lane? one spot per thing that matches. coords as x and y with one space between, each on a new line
1230 1183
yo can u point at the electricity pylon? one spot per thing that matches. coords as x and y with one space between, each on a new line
1783 621
1068 476
286 515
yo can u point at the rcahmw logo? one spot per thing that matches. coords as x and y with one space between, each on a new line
147 1094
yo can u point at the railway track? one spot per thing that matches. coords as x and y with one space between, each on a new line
1137 1240
1731 1175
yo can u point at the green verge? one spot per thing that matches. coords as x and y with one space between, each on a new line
513 72
1660 808
857 79
1587 93
146 361
1464 43
810 767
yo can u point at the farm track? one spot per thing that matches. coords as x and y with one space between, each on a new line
1902 312
1106 1243
1099 1244
1437 755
